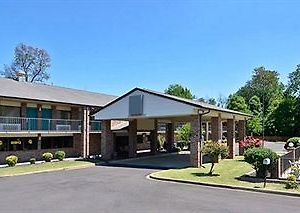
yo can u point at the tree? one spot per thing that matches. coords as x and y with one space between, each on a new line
293 87
237 103
33 61
180 91
255 105
212 101
255 124
222 101
214 150
185 132
264 84
284 120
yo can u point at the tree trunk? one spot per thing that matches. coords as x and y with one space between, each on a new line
211 169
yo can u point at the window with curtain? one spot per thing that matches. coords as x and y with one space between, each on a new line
10 111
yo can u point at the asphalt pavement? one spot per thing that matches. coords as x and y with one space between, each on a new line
116 189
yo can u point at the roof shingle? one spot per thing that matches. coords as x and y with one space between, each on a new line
42 92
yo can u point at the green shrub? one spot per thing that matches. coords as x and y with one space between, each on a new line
60 155
32 160
294 140
214 150
47 156
255 157
291 182
295 170
11 160
176 149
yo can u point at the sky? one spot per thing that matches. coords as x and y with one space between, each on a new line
112 46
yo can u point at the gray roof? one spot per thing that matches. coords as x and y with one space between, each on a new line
42 92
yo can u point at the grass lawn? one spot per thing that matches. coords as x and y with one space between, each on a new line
226 172
41 167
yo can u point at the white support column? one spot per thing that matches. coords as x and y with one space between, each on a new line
206 131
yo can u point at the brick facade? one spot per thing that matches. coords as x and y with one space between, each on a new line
216 129
231 137
241 134
107 143
154 139
132 134
78 144
195 144
169 136
95 143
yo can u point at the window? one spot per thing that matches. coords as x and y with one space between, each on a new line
30 143
57 142
15 144
10 111
61 114
3 144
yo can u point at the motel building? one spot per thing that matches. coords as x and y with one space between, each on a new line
38 118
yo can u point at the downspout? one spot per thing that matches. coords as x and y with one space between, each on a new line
200 114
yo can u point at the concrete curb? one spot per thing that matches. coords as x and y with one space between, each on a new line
267 191
51 170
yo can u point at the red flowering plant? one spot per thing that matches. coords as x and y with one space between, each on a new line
251 142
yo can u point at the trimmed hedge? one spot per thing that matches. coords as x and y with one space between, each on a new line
32 160
47 156
60 155
11 160
255 157
294 140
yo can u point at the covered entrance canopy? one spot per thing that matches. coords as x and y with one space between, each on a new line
145 108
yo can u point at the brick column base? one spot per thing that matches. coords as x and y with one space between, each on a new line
241 134
216 129
169 136
195 144
231 137
132 133
107 143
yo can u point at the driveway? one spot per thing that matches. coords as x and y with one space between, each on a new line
113 189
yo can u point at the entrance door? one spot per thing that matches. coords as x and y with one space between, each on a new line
46 114
32 113
122 143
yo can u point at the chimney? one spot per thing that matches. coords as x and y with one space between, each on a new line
21 76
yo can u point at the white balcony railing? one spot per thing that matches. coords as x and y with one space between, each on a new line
18 124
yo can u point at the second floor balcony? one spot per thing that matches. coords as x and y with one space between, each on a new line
19 124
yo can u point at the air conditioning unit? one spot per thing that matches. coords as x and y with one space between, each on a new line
10 127
60 127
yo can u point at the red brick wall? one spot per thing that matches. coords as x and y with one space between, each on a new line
95 143
78 144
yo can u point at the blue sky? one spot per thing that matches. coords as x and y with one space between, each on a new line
112 46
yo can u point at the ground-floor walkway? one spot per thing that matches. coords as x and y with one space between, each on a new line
159 161
114 189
